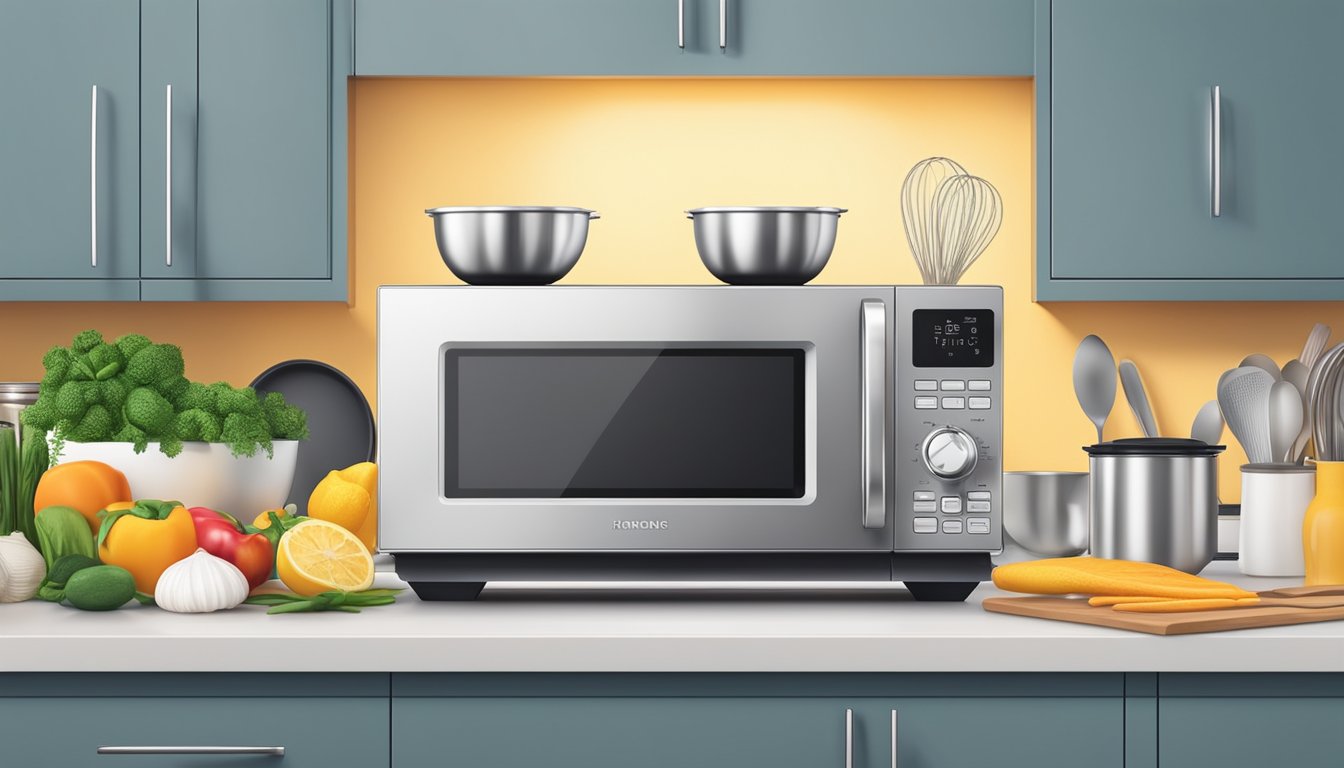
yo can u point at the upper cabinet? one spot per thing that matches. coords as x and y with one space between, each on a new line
1192 150
173 149
69 149
694 37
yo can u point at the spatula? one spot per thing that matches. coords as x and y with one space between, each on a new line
1243 396
1137 395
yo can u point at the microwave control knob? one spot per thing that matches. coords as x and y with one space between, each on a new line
950 453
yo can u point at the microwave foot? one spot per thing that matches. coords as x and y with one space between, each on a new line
447 590
941 591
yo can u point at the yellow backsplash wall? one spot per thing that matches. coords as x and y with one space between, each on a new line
642 151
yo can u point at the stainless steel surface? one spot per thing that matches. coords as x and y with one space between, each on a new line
894 740
723 25
849 738
1323 390
416 322
168 176
1216 152
1315 345
191 750
1094 380
1243 396
93 180
510 245
874 398
1208 425
771 245
681 24
1285 420
15 396
1297 374
1157 509
1137 395
949 453
1046 513
1264 363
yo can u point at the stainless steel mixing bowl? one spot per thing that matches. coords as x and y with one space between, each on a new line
509 244
765 245
1047 512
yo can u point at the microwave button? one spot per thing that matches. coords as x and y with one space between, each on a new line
978 495
954 385
951 505
979 385
926 385
951 526
976 524
926 403
926 525
978 506
924 496
954 403
980 403
926 506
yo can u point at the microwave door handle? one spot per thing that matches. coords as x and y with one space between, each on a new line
873 364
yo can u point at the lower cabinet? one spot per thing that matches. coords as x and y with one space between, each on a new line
734 721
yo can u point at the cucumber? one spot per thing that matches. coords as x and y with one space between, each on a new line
100 588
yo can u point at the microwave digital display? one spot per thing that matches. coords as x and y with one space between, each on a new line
953 338
623 423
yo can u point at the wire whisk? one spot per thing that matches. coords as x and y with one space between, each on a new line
950 218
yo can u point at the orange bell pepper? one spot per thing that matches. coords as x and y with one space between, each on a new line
145 538
88 486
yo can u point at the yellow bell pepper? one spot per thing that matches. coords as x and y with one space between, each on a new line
145 538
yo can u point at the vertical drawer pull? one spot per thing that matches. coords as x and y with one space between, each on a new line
168 176
190 750
723 25
1216 152
893 738
681 24
93 181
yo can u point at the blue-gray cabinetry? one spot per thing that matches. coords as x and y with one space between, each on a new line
1157 185
694 37
69 150
215 166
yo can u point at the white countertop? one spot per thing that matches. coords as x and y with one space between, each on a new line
863 628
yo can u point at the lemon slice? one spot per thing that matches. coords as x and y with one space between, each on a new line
318 556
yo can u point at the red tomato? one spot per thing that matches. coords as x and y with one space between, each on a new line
251 553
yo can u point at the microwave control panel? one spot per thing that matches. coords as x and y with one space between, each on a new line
948 408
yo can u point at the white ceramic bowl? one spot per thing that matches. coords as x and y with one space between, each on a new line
203 475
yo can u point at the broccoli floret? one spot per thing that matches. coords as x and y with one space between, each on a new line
286 422
172 389
129 433
196 424
113 392
196 396
131 343
57 364
229 400
170 446
95 425
86 340
155 365
41 415
149 411
244 433
106 361
74 398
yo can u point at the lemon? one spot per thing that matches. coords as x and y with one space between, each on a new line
319 556
349 498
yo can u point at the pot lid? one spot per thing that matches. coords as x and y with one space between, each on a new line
1154 446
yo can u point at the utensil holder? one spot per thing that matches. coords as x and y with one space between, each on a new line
1274 499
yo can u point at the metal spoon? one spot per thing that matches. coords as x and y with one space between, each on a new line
1285 420
1297 373
1094 380
1208 426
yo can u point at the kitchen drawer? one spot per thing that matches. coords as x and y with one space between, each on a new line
1250 732
730 732
65 732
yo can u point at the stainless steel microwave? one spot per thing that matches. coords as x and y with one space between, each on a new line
717 433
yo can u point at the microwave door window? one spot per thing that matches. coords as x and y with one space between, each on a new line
623 423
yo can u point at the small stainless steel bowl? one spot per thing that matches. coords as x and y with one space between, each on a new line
510 244
765 245
1047 512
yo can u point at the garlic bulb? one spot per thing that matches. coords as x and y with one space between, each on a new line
21 569
200 583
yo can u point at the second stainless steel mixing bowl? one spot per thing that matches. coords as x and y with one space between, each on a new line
1046 512
765 245
508 244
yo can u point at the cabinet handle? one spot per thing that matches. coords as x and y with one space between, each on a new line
873 363
93 180
893 738
1216 152
849 738
723 25
160 750
168 176
681 24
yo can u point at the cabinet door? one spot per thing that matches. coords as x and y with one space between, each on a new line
1132 172
248 134
1250 732
68 178
648 37
732 732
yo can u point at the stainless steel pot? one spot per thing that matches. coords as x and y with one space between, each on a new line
768 245
1155 500
15 396
510 245
1046 512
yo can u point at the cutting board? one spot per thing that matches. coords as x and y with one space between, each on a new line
1078 611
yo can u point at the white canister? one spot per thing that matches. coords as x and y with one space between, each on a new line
1274 499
